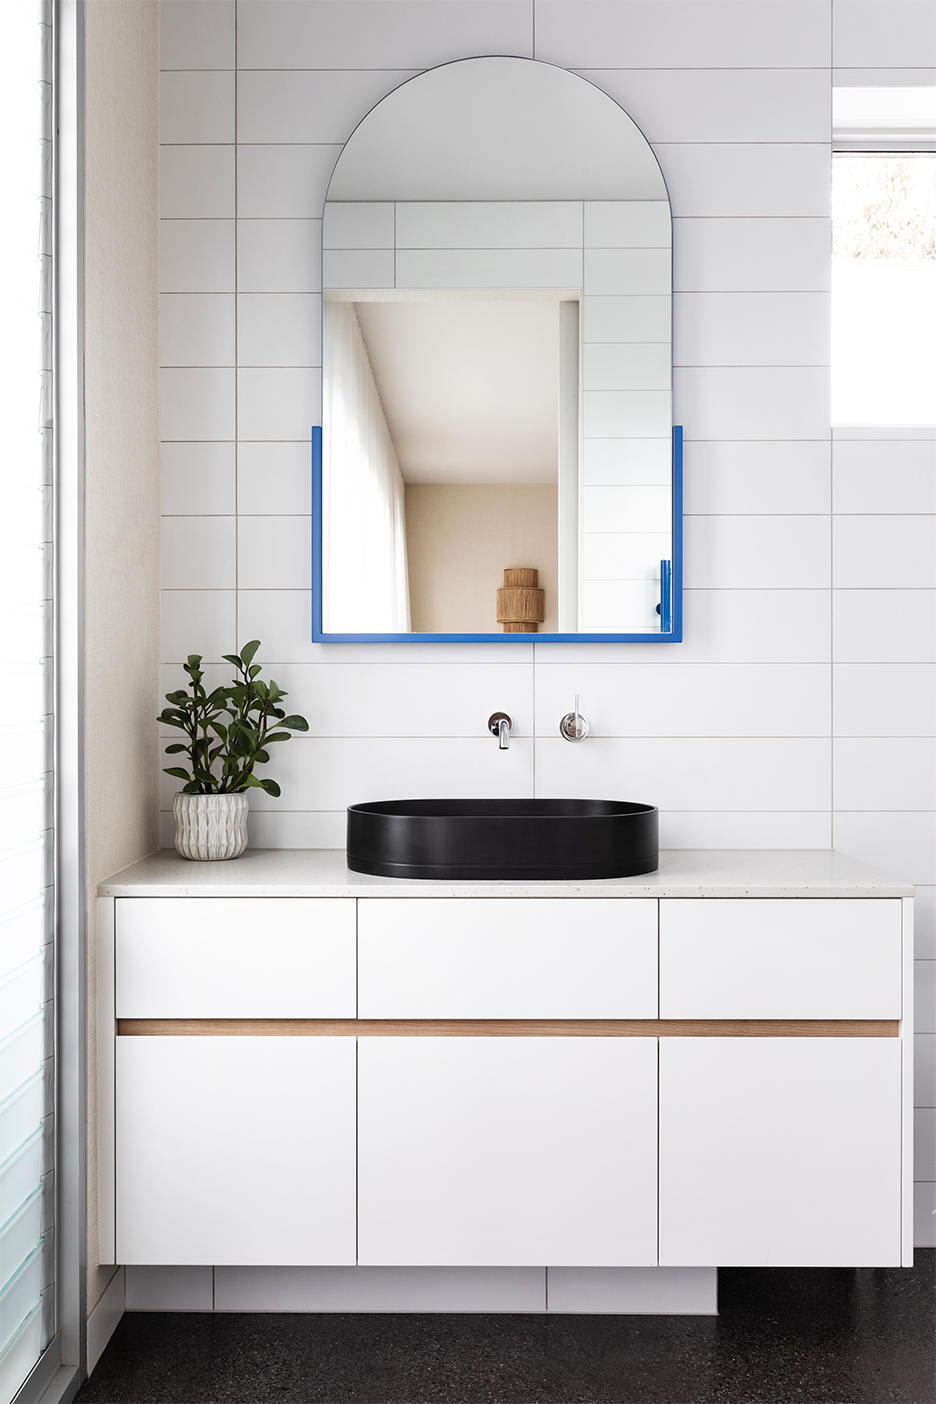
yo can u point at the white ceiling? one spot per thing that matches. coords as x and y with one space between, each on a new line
470 388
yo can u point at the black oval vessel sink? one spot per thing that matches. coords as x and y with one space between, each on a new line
516 840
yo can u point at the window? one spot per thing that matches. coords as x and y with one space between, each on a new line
27 1322
884 257
884 290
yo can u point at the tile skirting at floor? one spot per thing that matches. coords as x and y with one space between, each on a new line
829 1335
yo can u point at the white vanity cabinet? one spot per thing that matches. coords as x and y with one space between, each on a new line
233 1147
506 1150
781 1151
706 1066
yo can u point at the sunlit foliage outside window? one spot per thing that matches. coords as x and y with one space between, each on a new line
884 290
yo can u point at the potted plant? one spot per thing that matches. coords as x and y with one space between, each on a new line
228 732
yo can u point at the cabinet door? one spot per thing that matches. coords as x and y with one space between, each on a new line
507 1151
780 1152
235 1150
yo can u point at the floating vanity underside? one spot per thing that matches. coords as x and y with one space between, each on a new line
619 1082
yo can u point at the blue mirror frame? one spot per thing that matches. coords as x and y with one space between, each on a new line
671 578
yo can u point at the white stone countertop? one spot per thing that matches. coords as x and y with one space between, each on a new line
322 872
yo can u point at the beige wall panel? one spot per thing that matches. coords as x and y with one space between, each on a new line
121 467
461 537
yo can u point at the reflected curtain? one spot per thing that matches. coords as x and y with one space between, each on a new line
365 584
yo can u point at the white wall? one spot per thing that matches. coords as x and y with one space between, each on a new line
459 539
121 479
799 711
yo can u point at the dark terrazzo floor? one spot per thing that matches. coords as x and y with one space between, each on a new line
783 1336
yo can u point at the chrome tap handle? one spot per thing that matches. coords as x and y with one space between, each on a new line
499 725
574 727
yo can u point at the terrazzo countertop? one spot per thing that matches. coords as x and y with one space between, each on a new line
322 872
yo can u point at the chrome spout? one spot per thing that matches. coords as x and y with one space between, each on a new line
499 725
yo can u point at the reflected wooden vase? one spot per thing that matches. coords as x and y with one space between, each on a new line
520 603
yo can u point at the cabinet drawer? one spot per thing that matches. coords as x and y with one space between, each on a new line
766 958
507 958
235 957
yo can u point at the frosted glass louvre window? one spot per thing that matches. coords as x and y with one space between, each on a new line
884 289
25 466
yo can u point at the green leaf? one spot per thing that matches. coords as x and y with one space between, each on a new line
177 772
226 727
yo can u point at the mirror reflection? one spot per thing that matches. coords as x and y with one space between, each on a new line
444 413
496 421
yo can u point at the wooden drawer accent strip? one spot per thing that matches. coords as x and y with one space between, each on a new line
517 1028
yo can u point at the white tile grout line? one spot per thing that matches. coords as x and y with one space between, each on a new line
831 644
236 644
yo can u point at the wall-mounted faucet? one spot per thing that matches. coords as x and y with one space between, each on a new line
499 725
574 727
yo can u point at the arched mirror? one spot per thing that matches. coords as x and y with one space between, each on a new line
497 457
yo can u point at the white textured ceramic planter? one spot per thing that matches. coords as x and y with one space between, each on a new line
210 827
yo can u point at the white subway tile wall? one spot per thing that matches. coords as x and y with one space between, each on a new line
800 710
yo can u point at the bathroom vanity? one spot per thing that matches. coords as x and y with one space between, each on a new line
703 1066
